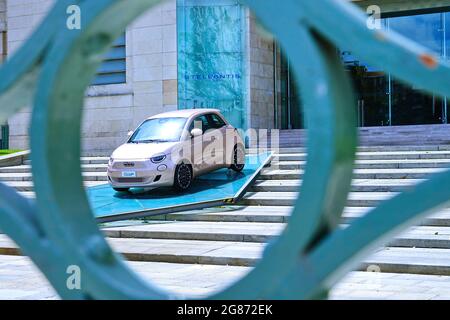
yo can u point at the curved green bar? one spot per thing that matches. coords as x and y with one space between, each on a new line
60 228
331 150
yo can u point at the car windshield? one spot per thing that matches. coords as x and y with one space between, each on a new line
159 130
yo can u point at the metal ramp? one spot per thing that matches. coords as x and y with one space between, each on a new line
214 189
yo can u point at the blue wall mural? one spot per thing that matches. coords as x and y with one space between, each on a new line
210 57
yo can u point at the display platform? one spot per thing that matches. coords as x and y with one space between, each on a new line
214 189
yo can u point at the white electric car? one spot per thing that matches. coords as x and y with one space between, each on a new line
172 148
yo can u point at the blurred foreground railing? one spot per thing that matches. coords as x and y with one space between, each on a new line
58 232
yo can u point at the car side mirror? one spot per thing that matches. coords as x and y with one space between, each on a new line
130 133
196 132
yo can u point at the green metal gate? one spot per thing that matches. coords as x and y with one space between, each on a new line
57 230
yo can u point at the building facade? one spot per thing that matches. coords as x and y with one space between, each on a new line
213 53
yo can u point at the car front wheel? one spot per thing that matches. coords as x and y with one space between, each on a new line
183 177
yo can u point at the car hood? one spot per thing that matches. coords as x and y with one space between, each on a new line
142 150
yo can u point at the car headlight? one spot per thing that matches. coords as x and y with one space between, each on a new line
158 159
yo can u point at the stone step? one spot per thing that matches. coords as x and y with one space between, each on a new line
391 259
296 154
28 186
28 194
27 168
358 285
262 214
406 155
421 173
197 230
192 252
174 251
440 218
278 214
374 164
358 185
94 160
287 165
355 199
197 281
383 148
84 160
421 237
299 154
87 176
429 261
368 149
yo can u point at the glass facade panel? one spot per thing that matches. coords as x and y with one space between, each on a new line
401 104
210 57
446 34
411 105
424 29
383 100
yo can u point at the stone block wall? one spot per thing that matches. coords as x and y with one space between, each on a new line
23 16
111 110
261 75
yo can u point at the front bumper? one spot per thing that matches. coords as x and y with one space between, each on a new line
140 174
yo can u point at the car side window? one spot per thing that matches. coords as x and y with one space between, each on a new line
200 122
216 122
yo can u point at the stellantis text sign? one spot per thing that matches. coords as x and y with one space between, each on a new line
212 76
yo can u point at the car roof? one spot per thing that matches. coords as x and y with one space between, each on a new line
184 113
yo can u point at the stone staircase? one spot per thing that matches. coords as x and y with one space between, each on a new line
400 136
223 243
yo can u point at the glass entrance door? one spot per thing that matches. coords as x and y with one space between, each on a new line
412 106
372 91
382 100
290 109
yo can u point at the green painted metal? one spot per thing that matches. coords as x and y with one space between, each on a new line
52 71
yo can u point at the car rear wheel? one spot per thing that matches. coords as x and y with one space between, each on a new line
238 159
183 177
121 189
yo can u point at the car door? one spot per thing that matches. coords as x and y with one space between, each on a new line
199 162
217 140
